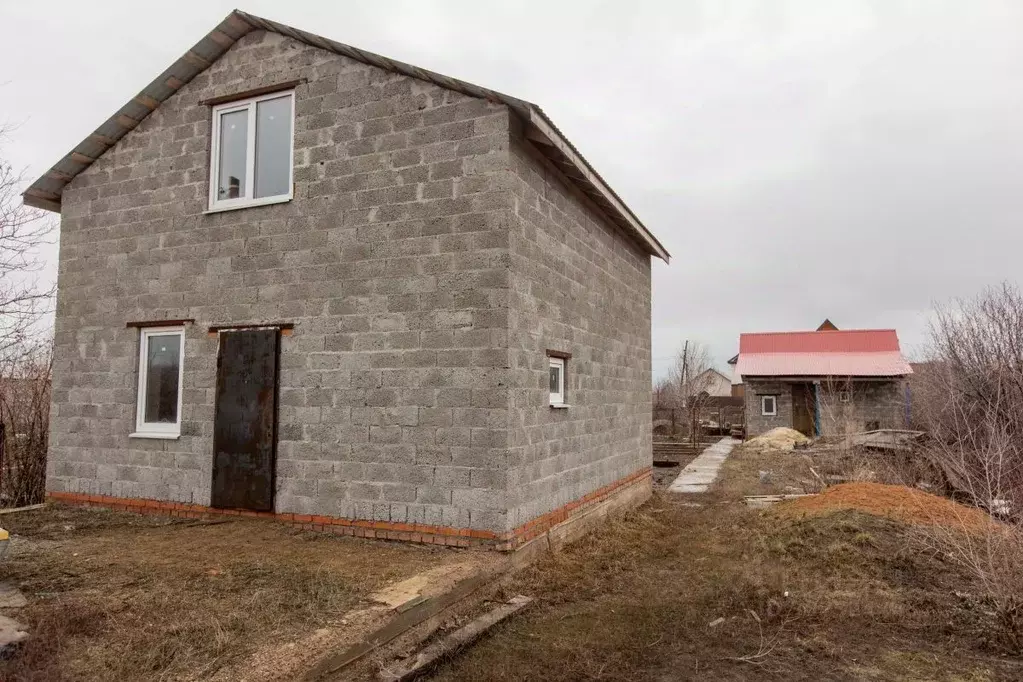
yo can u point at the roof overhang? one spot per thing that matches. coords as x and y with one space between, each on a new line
46 192
818 378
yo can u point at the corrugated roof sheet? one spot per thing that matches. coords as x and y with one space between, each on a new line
46 191
846 340
857 352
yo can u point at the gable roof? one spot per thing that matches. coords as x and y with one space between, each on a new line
854 352
46 192
711 370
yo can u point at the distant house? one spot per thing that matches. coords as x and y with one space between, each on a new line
712 382
823 382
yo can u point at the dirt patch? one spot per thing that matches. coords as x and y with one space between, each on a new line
115 596
725 593
892 501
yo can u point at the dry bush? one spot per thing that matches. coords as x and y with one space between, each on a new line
969 397
24 424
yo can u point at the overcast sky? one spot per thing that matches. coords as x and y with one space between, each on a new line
800 160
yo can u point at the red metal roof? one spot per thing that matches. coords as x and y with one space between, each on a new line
853 352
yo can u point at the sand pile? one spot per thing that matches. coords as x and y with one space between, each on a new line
780 438
898 502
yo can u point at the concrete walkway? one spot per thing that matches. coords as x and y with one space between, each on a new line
702 471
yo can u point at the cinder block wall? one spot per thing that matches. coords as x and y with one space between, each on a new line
392 261
578 285
883 402
757 423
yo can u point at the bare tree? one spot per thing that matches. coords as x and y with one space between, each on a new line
689 382
24 345
24 300
24 425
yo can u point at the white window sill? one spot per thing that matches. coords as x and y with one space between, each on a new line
248 204
559 406
152 434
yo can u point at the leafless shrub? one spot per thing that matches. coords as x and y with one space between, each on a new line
24 423
24 352
969 397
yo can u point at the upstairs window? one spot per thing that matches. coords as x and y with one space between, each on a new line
158 413
252 153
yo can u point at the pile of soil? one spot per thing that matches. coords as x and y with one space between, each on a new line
898 502
780 439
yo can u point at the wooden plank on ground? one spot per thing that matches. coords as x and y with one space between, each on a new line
404 622
415 665
21 509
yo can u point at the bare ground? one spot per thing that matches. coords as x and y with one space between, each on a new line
118 596
726 592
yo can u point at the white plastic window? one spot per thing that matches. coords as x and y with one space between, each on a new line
161 371
557 381
768 405
252 154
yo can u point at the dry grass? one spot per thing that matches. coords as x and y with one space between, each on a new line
116 596
811 470
845 595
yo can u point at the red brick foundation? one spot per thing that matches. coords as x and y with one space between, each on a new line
406 532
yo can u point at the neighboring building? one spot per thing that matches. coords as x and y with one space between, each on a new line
737 388
300 278
823 382
712 382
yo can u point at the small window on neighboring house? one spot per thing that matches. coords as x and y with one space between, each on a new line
844 396
158 412
557 381
768 405
252 152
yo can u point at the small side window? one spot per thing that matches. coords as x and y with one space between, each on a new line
844 396
769 405
161 370
557 380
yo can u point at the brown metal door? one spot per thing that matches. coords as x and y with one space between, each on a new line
245 425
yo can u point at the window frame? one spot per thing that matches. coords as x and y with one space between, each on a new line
144 429
557 399
774 406
249 104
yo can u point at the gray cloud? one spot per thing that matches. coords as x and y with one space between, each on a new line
800 160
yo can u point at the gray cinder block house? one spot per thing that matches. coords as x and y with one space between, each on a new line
301 279
823 383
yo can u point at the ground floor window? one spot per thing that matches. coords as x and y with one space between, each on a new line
557 380
158 412
769 405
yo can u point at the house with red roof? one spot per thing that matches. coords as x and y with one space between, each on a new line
824 382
